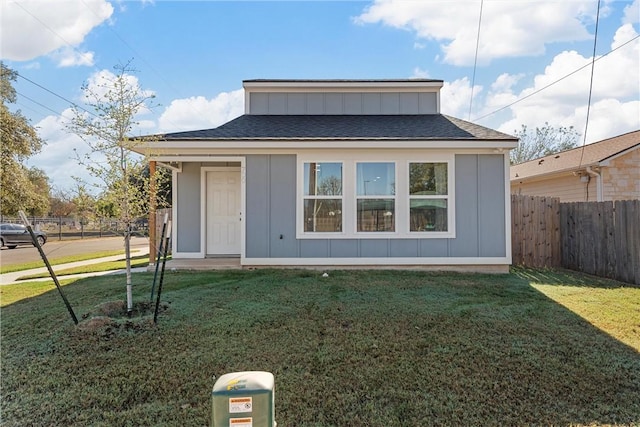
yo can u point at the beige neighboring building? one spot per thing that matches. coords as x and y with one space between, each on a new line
602 171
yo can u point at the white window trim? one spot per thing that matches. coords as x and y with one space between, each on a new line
300 197
450 197
349 159
356 197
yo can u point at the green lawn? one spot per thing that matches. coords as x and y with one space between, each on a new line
137 261
55 261
357 348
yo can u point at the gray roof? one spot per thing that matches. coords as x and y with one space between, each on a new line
342 127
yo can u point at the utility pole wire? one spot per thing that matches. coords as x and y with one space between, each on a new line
475 60
554 82
50 29
37 103
54 94
586 123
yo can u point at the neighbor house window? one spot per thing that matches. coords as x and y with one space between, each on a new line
375 197
428 197
322 197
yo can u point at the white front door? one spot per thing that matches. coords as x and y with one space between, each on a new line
223 213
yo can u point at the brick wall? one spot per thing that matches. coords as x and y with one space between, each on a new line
621 180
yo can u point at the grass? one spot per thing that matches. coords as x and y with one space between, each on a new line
614 308
357 348
139 261
55 261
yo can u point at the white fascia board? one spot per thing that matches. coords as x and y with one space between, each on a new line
214 155
175 147
390 261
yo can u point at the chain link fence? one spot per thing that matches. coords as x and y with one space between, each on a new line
71 228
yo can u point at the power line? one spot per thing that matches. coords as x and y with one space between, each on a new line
475 60
586 123
38 103
138 55
31 109
50 29
57 95
79 52
554 82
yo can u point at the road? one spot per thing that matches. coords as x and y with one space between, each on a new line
59 249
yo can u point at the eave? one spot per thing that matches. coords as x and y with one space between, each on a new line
204 145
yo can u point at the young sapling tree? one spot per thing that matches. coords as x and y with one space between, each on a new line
113 101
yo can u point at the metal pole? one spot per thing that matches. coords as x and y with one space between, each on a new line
164 261
46 261
155 276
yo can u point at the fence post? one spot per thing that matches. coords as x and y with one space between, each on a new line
59 228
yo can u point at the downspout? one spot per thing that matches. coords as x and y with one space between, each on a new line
598 178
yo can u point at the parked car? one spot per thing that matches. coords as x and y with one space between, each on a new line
12 235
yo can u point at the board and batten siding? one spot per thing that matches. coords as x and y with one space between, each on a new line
343 103
271 216
187 205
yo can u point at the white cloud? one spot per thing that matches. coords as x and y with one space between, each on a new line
199 112
58 156
608 118
67 57
419 73
455 97
632 13
101 83
32 28
509 28
505 81
32 66
614 97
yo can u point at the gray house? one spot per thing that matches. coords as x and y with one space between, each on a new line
341 173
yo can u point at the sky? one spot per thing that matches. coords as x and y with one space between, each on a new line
504 63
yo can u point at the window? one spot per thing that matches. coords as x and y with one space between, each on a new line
355 194
428 197
323 197
375 194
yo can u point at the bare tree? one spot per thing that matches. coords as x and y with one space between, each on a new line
542 142
112 103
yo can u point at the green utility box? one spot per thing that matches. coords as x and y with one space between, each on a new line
243 399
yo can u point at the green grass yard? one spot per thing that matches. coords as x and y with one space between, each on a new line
56 261
357 348
137 261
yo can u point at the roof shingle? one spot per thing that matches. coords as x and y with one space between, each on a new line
320 127
576 158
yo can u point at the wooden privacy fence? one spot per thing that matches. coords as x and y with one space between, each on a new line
600 238
535 231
